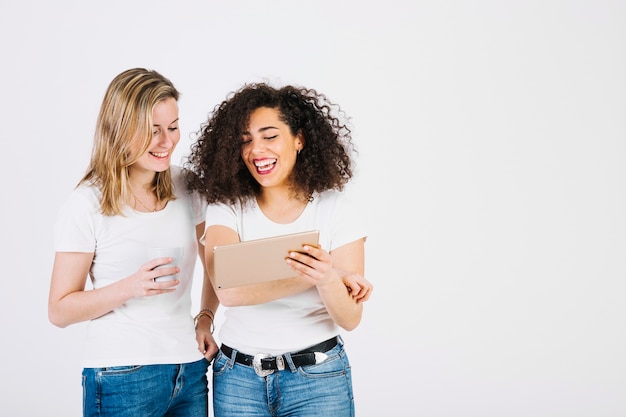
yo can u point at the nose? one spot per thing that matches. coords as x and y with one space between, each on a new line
257 146
166 138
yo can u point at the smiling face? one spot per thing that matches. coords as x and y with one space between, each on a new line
165 137
269 149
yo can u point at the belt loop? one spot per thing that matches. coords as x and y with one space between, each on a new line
289 360
340 340
233 359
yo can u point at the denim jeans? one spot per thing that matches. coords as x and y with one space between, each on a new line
323 389
147 390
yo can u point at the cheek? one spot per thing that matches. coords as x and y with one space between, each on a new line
244 158
134 150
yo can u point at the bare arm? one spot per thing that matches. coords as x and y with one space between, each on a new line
70 303
322 269
209 300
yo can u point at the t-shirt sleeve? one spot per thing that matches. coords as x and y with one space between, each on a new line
199 206
347 223
75 225
198 202
220 214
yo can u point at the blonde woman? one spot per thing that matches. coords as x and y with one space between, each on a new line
142 354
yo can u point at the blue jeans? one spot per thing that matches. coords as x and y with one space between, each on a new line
323 389
147 390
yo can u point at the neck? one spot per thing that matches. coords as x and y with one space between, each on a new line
280 206
143 197
141 182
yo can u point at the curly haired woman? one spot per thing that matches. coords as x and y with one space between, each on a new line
274 161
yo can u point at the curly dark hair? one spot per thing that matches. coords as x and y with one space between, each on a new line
216 170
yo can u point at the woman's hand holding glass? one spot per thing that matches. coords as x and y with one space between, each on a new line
142 283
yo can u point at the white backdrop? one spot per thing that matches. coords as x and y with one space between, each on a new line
492 172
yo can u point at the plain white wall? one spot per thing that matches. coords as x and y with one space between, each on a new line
492 141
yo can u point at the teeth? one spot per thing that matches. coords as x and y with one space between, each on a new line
159 154
264 163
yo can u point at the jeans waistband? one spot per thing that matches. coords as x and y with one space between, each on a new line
265 364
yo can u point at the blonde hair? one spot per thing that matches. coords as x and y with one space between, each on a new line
126 117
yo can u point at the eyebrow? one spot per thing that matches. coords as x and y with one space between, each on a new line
261 130
170 123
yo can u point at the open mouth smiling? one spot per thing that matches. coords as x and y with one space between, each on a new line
264 165
160 154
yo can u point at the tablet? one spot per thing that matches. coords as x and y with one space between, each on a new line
259 260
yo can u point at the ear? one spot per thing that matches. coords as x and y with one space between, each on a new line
299 141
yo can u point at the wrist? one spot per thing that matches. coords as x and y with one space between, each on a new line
204 315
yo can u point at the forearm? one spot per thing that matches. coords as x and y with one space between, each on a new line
86 305
205 320
341 306
263 293
208 299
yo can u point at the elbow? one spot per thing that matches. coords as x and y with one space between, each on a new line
56 318
351 321
228 298
56 321
227 303
350 325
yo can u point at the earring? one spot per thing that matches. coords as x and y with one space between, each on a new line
298 151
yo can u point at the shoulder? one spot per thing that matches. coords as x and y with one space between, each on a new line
235 209
176 170
82 206
84 197
337 206
177 173
179 181
328 197
332 200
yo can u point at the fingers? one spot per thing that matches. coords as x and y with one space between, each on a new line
362 296
167 273
359 288
207 345
161 269
300 263
149 266
316 252
358 293
164 285
309 256
150 280
160 281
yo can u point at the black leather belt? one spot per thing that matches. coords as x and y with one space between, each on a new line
264 364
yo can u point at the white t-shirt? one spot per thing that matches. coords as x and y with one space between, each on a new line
150 330
301 320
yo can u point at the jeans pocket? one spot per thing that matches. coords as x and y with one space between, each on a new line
333 366
220 363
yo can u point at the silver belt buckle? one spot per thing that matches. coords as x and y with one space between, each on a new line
256 364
